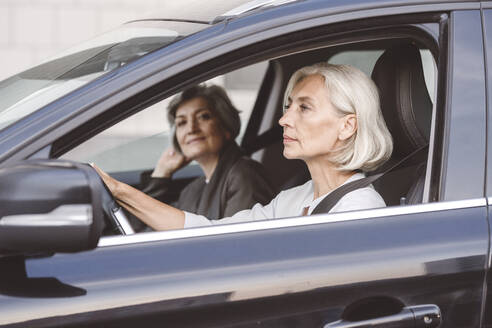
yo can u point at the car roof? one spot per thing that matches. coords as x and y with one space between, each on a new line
218 10
213 11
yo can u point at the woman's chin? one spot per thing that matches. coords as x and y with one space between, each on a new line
196 154
290 155
192 153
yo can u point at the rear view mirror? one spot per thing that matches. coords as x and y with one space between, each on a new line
49 206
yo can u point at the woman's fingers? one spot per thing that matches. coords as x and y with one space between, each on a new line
169 162
101 173
110 182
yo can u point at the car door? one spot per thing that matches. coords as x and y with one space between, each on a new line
398 266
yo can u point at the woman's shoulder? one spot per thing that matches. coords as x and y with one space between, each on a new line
359 199
306 186
301 192
251 177
195 185
248 170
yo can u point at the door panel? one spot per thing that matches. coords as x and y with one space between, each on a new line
466 110
288 277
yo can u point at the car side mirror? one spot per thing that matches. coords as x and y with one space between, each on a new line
49 206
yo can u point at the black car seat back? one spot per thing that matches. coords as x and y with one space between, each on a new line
407 110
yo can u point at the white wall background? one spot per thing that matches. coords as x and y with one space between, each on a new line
32 31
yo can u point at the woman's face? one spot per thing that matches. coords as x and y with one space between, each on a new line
198 130
312 126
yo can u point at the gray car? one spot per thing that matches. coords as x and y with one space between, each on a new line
70 257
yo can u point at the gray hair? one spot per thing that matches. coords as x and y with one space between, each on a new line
353 92
218 102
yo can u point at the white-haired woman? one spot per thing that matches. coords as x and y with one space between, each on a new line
333 122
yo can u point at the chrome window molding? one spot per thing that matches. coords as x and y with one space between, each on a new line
290 222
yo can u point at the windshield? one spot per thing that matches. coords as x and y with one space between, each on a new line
30 90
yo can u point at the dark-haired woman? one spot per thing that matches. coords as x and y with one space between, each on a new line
205 125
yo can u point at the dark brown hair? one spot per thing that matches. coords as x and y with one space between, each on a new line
218 102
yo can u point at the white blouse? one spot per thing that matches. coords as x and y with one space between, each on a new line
291 203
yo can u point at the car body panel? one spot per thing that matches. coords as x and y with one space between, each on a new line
487 30
314 271
466 106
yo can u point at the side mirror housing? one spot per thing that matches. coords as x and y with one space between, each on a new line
49 206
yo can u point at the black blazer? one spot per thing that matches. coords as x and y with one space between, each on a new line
237 183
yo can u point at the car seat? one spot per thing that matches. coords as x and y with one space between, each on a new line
407 110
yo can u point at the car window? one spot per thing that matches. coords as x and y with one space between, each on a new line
137 142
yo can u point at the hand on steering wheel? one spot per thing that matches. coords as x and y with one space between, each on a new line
110 206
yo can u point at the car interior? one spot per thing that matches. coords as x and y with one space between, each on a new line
406 83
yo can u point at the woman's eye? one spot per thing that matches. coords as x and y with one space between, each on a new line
205 116
180 123
304 107
286 106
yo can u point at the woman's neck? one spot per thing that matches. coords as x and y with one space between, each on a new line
326 177
208 165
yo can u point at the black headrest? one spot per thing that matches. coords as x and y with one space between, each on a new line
405 102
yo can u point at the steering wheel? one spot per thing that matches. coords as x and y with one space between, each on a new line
118 222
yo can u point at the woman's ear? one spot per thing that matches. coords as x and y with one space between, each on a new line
348 127
227 135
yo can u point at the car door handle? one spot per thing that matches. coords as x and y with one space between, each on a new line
420 316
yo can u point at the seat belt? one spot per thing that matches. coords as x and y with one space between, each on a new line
329 201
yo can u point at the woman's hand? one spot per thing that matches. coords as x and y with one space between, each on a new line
169 162
144 207
109 181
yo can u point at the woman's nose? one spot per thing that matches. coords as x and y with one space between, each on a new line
286 119
193 126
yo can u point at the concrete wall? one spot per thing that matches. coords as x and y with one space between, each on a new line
32 31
